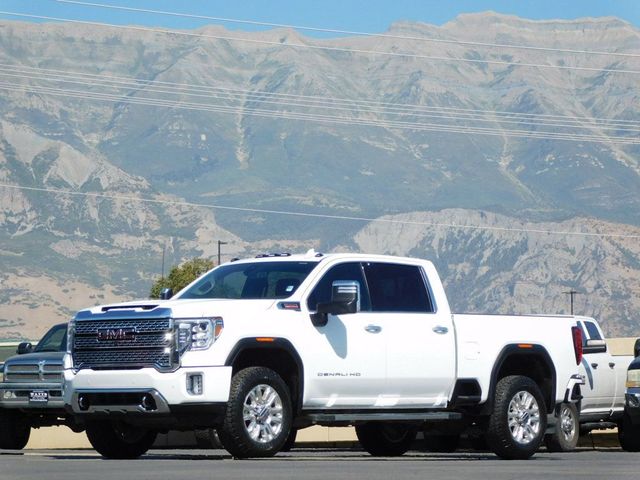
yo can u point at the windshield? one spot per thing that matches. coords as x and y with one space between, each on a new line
267 280
55 340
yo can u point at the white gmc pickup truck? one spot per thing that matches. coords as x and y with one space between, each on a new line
262 347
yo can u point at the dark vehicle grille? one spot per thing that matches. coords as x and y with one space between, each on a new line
34 373
123 343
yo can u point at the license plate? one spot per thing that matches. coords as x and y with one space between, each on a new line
39 396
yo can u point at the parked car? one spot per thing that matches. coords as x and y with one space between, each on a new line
603 393
31 389
629 430
261 347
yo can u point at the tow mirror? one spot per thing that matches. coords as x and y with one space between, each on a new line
24 347
595 346
636 348
345 299
166 293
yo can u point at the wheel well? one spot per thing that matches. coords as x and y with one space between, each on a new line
281 360
534 363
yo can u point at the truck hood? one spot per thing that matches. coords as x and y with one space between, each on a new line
187 308
34 358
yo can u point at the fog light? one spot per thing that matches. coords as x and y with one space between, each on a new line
83 402
195 383
9 395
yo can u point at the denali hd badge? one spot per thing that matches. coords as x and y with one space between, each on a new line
116 334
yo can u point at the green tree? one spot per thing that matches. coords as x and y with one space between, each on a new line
181 275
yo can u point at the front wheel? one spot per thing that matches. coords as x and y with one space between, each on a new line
259 415
565 437
518 421
629 434
119 440
15 430
386 439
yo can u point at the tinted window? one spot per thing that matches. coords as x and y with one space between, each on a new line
251 280
55 340
594 334
344 271
397 288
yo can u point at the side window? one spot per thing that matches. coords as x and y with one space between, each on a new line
594 334
397 288
344 271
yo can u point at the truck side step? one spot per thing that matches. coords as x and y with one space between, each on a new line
351 418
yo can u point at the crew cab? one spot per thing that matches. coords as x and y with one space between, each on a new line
31 389
261 347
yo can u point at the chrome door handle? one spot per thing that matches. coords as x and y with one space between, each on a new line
440 329
373 328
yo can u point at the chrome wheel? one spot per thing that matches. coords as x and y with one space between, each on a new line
524 417
567 423
262 413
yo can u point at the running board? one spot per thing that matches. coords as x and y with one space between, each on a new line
351 418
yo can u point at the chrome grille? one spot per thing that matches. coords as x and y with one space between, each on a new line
123 342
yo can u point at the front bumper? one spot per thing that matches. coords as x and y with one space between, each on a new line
19 395
632 405
145 391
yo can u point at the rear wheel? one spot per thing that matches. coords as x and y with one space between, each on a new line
565 437
15 429
629 434
386 439
119 440
518 421
259 415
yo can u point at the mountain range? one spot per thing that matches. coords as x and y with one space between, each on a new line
516 170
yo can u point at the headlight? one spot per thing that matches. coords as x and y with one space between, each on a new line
633 378
197 334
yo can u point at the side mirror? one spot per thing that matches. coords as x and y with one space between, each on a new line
595 346
24 347
166 293
636 348
345 299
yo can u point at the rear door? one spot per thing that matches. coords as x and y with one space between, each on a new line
420 342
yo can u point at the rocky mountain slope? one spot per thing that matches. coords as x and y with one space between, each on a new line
143 122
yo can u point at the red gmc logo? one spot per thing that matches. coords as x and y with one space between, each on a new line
116 334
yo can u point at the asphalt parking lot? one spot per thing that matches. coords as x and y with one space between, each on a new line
300 464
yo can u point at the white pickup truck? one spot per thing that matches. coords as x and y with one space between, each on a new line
261 347
603 401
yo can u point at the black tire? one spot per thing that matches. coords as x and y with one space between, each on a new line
291 440
15 430
565 438
272 419
517 397
119 440
386 439
629 434
441 443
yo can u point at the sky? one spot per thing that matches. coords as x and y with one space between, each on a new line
357 15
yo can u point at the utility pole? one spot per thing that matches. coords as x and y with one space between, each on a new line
572 293
219 244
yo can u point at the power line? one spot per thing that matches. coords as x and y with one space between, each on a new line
348 32
329 119
235 97
314 99
322 47
319 215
